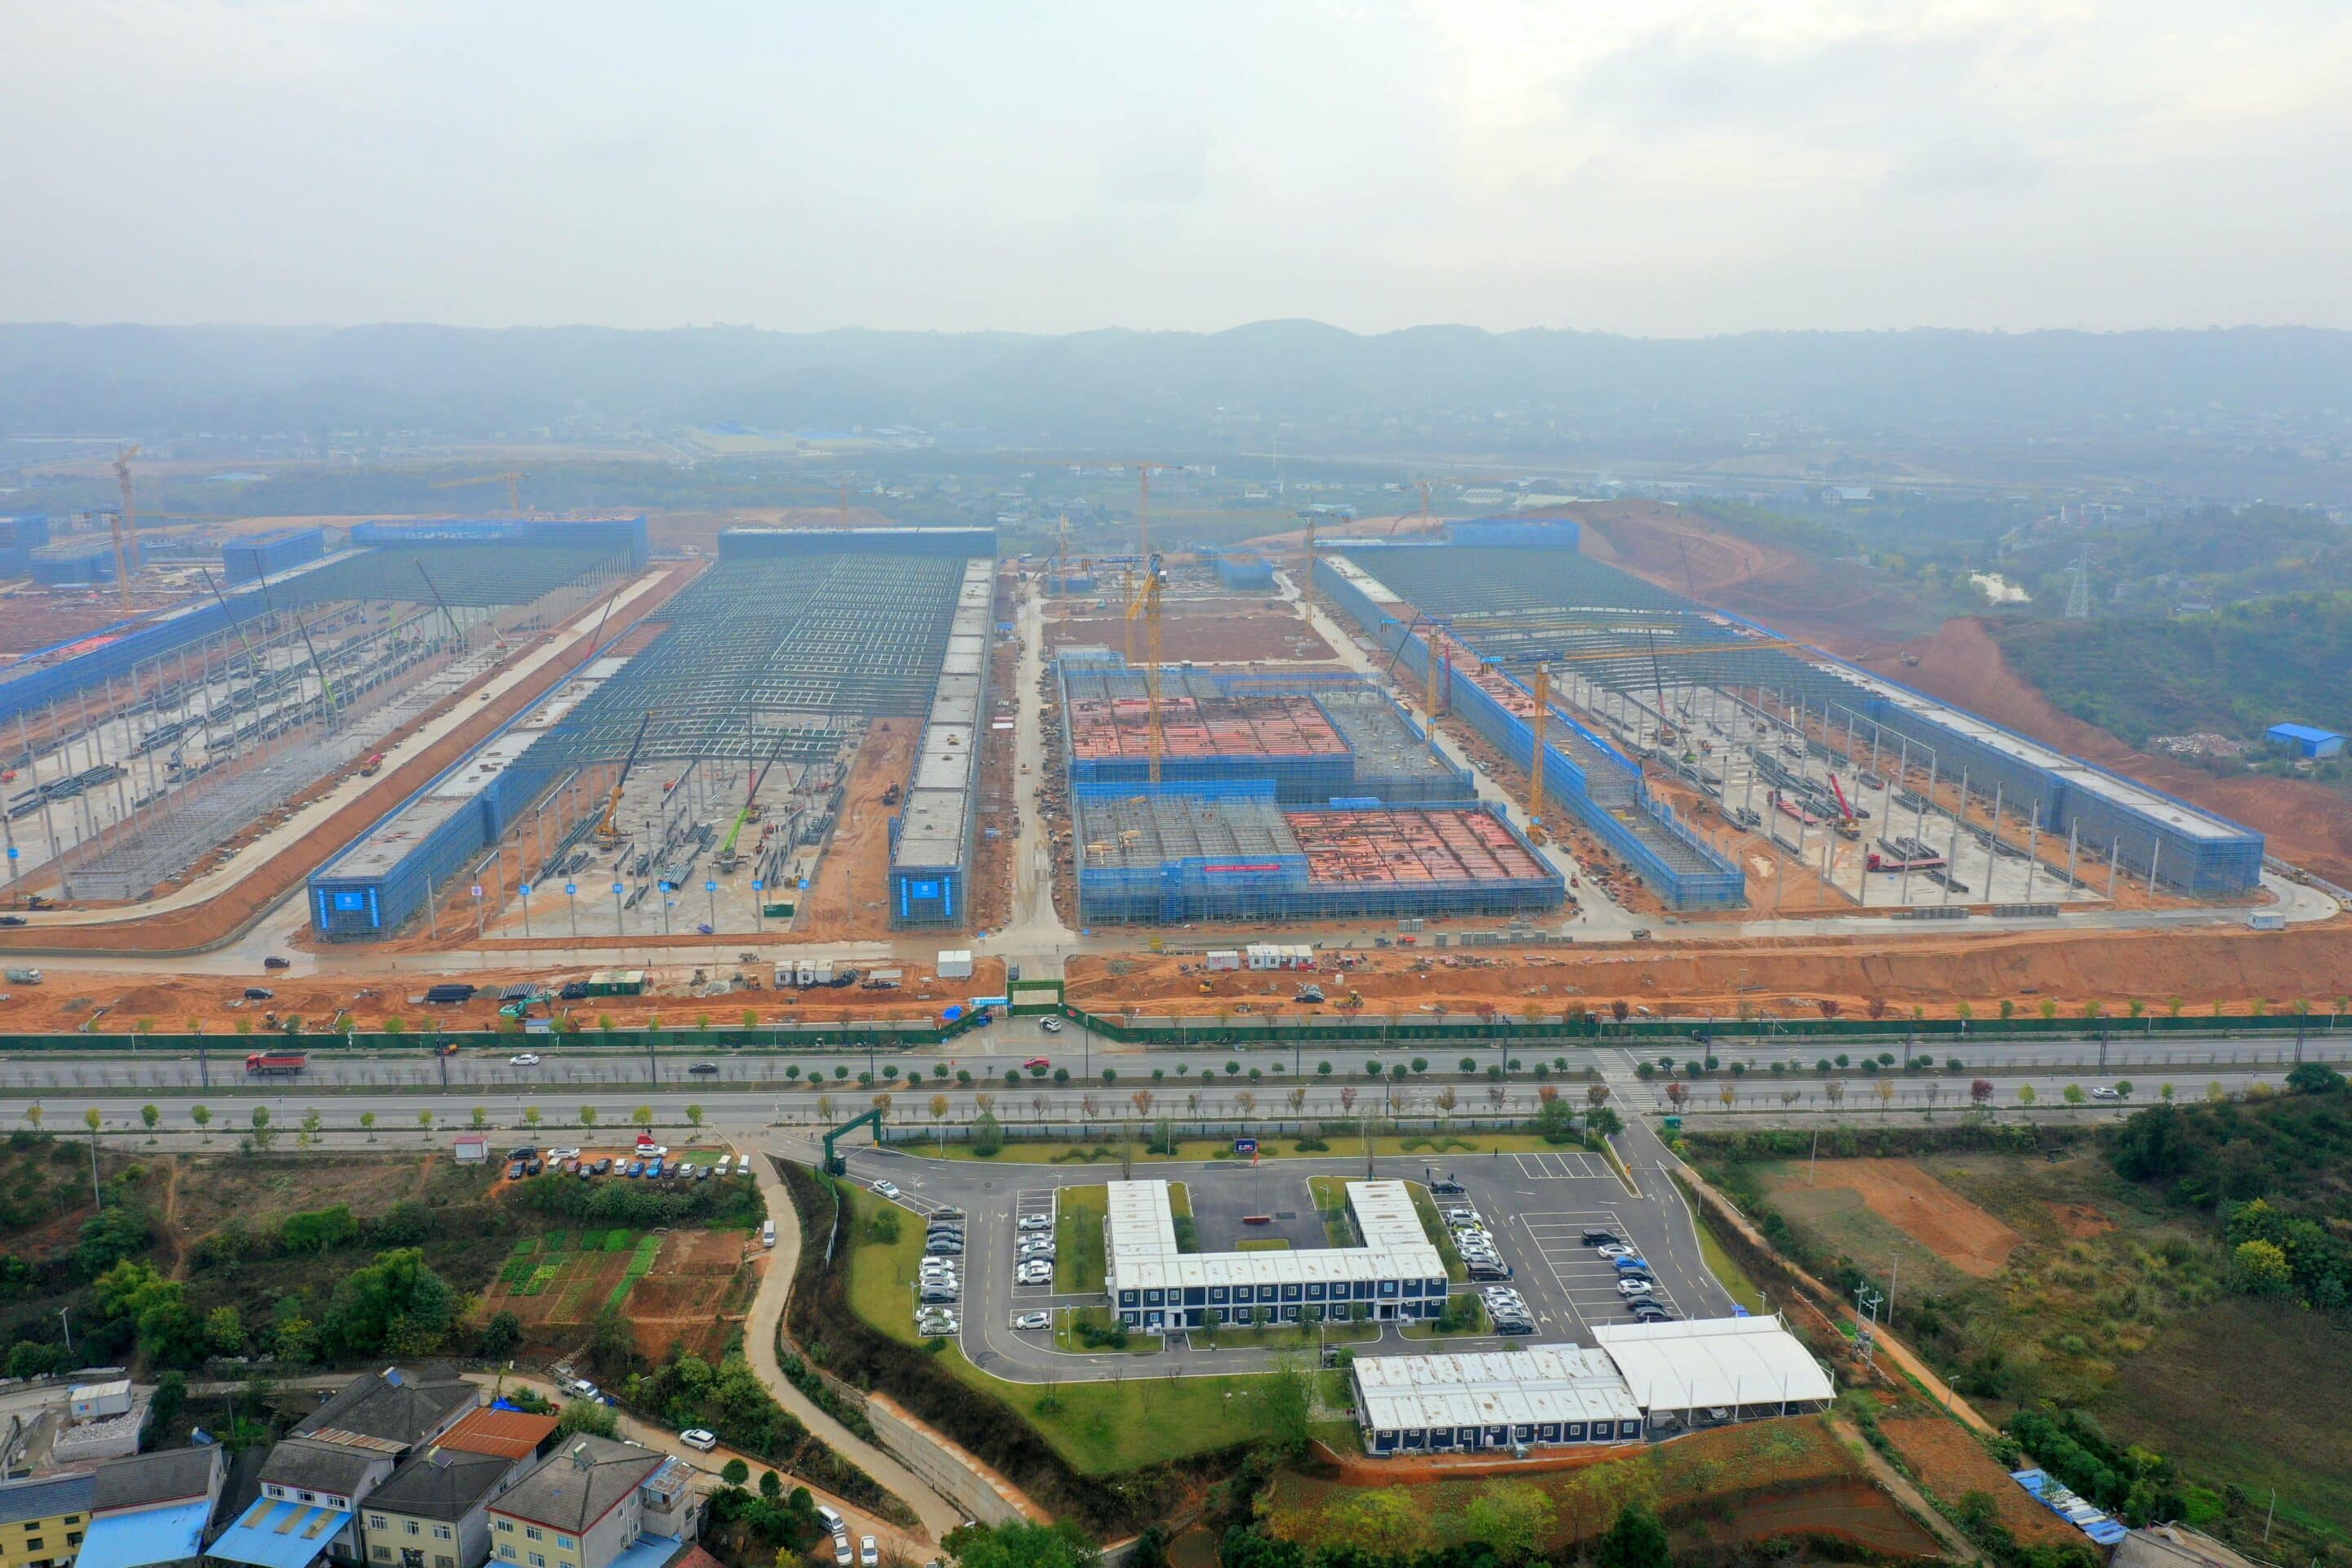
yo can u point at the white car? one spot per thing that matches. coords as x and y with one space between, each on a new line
700 1440
1634 1287
938 1327
653 1151
1035 1273
1036 1222
2104 1092
1033 1321
523 1059
888 1190
557 1155
1051 1025
868 1554
1616 1249
842 1555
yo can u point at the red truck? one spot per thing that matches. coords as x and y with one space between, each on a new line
368 769
277 1062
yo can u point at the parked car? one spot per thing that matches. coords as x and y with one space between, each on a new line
636 1168
1448 1188
1616 1249
1601 1238
842 1556
868 1554
698 1439
1051 1025
604 1165
1036 1222
1649 1311
274 962
1034 1273
888 1189
1634 1287
1033 1321
514 1172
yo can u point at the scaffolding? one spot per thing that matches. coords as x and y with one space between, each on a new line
1316 737
1232 852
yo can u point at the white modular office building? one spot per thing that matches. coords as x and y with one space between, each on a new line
1396 1276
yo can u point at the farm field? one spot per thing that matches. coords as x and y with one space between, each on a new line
689 1287
2101 1300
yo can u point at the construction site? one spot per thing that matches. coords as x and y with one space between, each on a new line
1689 741
714 759
141 750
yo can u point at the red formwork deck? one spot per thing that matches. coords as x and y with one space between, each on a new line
1253 726
1428 845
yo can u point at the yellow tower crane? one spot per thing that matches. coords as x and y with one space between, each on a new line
125 527
513 482
1145 603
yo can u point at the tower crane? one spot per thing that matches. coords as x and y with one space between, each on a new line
513 483
1145 603
609 830
125 527
1426 487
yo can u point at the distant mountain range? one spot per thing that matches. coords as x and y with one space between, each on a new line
1526 391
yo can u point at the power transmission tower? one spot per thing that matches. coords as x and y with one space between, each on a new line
2078 596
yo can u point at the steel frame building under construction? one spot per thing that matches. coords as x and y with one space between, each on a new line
1489 614
793 641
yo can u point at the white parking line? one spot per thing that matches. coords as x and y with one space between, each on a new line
1586 1280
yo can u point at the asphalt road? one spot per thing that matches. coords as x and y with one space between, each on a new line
1010 1044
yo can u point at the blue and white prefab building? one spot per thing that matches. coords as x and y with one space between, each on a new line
1396 1276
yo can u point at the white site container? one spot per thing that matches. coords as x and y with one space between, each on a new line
1224 958
955 963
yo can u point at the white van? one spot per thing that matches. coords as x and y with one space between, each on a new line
767 1232
834 1523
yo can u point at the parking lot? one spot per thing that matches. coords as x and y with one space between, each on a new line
1535 1207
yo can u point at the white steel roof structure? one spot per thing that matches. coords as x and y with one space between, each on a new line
1703 1363
1491 1388
1142 1253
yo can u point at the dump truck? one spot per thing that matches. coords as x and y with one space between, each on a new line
276 1064
21 976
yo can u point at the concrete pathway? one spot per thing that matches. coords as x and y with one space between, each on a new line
937 1514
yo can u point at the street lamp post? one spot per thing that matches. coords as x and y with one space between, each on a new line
571 901
523 888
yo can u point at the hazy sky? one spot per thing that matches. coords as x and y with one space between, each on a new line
1668 167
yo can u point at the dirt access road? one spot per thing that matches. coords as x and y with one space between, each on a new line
1959 662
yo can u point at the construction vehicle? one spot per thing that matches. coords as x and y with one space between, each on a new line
1910 660
375 764
892 794
276 1064
1791 808
608 832
1904 855
1846 824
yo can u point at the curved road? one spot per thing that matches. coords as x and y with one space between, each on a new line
937 1514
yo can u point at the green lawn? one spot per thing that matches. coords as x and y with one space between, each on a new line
1264 1244
1286 1336
1725 1268
882 1274
1330 1194
1180 1200
1078 1239
1105 1151
1065 1335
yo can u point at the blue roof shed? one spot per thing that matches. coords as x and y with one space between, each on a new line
2306 739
